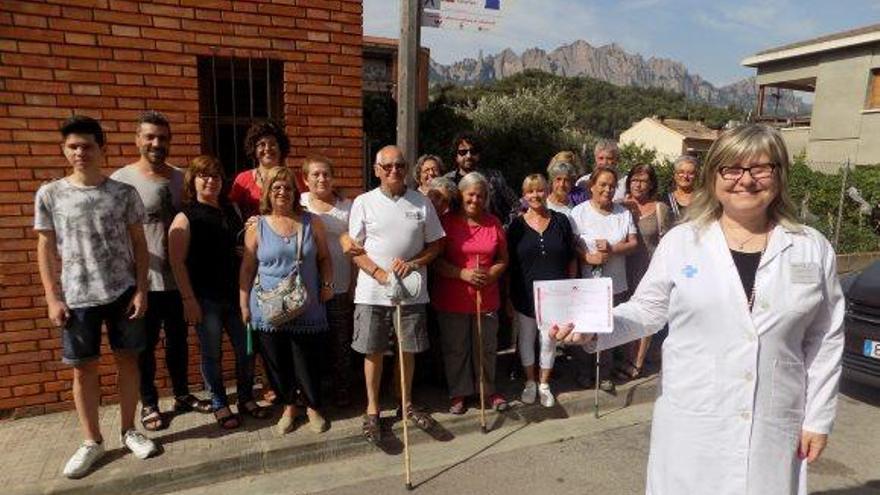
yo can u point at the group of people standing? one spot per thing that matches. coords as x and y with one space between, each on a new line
154 247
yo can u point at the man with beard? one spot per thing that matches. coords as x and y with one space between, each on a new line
503 201
160 186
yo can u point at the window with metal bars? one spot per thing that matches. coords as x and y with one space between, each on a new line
234 93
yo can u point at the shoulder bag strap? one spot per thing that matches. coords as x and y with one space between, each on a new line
659 215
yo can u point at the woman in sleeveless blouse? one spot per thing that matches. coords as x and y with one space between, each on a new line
292 351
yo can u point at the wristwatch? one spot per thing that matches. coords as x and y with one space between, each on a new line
328 285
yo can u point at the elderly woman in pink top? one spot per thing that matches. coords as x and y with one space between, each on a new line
474 257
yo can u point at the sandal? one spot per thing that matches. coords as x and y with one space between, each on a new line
629 370
228 421
189 402
371 429
420 418
457 406
254 410
497 402
151 418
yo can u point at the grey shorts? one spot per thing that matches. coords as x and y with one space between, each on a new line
374 328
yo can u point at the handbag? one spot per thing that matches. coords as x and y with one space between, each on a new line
289 298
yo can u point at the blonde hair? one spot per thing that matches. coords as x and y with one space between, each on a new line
732 147
569 157
279 174
532 180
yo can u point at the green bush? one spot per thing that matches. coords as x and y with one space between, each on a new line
817 197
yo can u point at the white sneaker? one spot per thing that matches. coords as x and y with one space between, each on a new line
141 446
83 459
529 393
547 399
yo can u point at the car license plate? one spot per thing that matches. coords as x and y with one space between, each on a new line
872 349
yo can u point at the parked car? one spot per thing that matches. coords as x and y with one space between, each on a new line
861 357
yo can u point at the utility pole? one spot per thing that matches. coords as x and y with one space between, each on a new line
407 78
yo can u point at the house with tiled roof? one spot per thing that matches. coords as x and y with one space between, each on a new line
670 138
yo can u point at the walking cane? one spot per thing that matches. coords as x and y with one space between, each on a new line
398 324
479 346
597 272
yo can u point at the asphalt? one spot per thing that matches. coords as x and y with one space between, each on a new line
196 452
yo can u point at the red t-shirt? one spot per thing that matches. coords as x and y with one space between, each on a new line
464 243
246 194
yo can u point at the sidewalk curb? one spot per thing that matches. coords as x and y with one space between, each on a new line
279 454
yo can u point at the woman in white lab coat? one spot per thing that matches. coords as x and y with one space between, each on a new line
755 312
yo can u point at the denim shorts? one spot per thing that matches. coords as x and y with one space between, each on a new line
81 335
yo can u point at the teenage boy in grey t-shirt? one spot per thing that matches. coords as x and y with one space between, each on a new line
93 224
160 187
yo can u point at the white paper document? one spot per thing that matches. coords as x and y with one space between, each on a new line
586 302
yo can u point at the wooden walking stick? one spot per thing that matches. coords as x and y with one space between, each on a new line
596 394
398 320
479 347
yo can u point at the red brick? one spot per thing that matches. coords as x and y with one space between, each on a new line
13 59
12 123
43 35
80 51
85 89
82 64
128 31
29 20
136 55
167 11
166 22
83 76
129 79
123 5
38 8
76 13
168 34
115 17
135 91
80 38
77 26
36 86
25 357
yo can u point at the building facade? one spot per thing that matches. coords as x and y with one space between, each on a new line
841 74
212 67
670 138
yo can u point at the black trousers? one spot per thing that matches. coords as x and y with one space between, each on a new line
164 311
293 361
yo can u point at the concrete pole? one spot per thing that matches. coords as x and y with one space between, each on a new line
407 78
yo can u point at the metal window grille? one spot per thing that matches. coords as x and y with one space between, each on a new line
234 93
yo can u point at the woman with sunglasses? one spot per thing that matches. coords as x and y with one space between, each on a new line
752 362
205 251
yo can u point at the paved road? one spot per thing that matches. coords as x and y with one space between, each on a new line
564 456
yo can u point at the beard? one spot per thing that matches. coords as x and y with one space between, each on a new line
155 156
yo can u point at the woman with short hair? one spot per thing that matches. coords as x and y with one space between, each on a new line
607 233
653 219
204 246
285 242
267 146
752 362
474 257
427 167
684 180
541 246
323 200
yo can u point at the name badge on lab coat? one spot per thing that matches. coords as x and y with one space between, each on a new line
805 273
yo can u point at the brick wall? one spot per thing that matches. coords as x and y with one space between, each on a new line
112 59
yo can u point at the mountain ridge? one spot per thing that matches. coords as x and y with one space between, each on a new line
613 64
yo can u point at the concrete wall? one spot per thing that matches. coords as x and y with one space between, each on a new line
649 134
112 59
840 128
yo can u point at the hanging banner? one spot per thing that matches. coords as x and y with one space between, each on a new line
471 15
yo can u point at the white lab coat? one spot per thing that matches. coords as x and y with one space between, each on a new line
737 388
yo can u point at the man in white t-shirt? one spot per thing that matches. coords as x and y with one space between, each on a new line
400 233
607 155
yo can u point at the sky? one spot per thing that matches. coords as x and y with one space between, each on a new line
711 37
